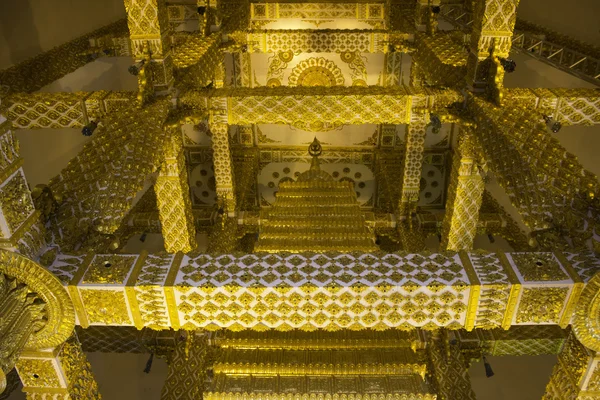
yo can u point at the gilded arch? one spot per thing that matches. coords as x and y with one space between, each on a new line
586 322
316 71
60 310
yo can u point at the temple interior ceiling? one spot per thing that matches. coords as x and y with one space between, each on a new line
335 200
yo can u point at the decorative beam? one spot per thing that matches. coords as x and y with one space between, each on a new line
63 371
99 186
494 22
576 374
324 41
465 195
43 69
442 59
180 291
372 13
413 165
196 59
64 109
222 159
173 197
543 180
149 32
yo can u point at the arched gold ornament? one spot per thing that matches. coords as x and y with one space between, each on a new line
316 71
59 307
586 322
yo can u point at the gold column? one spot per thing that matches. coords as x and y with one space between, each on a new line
413 163
450 376
63 371
149 29
465 195
494 22
222 159
187 369
173 197
576 375
20 227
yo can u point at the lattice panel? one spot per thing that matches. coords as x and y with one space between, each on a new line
309 108
579 110
47 110
495 292
318 41
400 305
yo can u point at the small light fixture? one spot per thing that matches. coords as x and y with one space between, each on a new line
488 368
554 126
391 48
201 10
491 238
508 64
149 363
89 129
244 48
435 121
143 237
135 68
436 9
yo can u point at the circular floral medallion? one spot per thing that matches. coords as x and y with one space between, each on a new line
316 72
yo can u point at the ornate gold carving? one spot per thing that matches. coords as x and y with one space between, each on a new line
413 164
106 307
535 267
318 41
15 201
173 199
109 269
60 313
541 305
586 321
316 71
465 195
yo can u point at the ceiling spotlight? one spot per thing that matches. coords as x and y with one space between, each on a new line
89 128
135 68
435 121
201 10
244 48
508 64
436 9
554 126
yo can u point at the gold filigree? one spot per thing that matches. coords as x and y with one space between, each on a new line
541 305
316 71
105 306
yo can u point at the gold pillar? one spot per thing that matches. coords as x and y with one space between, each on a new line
494 22
187 369
63 371
413 163
576 375
465 195
222 160
450 376
149 29
20 227
173 197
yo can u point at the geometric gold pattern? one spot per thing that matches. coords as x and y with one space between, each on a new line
330 291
